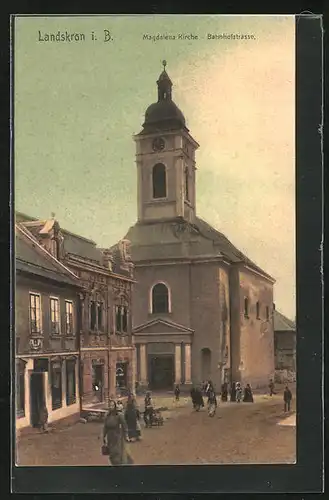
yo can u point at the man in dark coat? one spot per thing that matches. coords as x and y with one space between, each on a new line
287 397
177 392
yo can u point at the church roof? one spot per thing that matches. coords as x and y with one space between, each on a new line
282 323
177 238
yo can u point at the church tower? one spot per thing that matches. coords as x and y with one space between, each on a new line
165 157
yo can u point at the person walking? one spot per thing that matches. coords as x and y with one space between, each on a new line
132 417
212 404
209 388
115 435
248 396
271 387
43 418
233 393
238 390
287 397
177 392
148 409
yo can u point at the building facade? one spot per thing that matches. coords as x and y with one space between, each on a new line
285 348
201 309
47 335
106 348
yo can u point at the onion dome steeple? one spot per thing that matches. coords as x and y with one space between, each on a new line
164 114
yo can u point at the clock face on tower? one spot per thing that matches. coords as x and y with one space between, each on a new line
158 144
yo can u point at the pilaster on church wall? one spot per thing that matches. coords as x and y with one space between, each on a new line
224 288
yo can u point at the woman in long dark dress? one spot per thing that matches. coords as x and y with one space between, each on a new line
248 397
132 417
114 436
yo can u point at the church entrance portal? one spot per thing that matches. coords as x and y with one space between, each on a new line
205 363
161 371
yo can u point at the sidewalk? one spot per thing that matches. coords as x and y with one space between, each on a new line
290 420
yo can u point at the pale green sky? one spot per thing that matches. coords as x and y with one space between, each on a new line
78 104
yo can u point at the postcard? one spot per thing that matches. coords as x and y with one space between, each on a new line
155 252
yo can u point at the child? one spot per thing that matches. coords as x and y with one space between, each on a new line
177 392
238 390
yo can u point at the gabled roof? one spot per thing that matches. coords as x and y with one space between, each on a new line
167 326
282 323
32 258
78 248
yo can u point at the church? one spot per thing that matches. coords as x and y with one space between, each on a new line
201 309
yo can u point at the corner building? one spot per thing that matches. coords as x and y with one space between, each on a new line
201 309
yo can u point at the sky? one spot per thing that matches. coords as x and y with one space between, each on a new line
77 106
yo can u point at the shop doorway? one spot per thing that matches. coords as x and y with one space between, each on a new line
37 391
98 382
161 372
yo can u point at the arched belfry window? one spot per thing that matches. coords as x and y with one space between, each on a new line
159 181
187 194
160 298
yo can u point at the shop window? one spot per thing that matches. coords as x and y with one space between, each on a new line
56 385
20 388
70 382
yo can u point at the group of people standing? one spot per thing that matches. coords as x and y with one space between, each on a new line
122 424
237 393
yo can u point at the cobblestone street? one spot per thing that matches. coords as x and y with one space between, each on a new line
239 433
